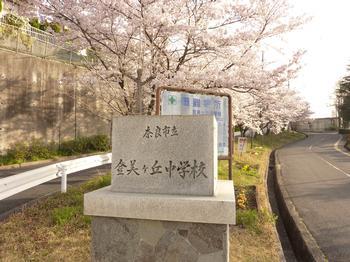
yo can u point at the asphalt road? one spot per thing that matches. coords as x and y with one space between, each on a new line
17 201
316 173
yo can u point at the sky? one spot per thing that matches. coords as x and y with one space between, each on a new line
326 40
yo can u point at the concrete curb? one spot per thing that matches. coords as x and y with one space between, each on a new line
303 243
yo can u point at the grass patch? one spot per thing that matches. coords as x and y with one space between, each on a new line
254 220
253 238
62 215
54 229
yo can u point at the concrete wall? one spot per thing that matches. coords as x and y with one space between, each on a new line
35 104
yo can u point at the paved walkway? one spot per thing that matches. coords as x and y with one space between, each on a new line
17 201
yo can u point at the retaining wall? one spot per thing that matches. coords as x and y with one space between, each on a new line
34 102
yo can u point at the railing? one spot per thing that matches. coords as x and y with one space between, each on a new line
30 40
12 185
32 31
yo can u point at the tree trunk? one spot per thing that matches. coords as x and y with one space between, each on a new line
139 94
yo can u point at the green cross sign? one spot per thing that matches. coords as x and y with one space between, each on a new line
172 100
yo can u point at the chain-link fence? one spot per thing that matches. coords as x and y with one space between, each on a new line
30 40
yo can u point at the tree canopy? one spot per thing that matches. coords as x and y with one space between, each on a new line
142 44
343 100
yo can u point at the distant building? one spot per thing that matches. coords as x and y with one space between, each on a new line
316 124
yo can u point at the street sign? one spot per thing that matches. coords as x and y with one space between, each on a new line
184 103
242 145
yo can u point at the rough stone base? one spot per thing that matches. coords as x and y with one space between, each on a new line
136 240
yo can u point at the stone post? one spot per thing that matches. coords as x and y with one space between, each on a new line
165 202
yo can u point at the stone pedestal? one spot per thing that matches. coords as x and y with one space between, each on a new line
156 227
165 203
160 241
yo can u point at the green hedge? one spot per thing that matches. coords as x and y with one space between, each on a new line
36 149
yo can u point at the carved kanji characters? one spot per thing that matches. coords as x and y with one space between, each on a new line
174 131
166 131
156 168
133 168
120 167
183 168
158 132
148 133
197 170
171 168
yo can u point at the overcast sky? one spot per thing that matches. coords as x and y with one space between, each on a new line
326 39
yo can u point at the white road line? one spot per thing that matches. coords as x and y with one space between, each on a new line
337 168
310 147
336 147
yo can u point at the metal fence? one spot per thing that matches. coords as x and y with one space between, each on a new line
12 185
30 40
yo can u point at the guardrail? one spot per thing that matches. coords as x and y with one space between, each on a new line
12 185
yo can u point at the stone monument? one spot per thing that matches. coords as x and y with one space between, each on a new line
165 202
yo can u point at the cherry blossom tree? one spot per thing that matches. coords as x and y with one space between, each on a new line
272 110
139 45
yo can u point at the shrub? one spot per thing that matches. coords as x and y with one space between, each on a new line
37 149
56 27
14 20
100 143
72 147
17 153
34 22
85 145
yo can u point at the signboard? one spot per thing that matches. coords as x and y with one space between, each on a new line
162 154
184 103
242 144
